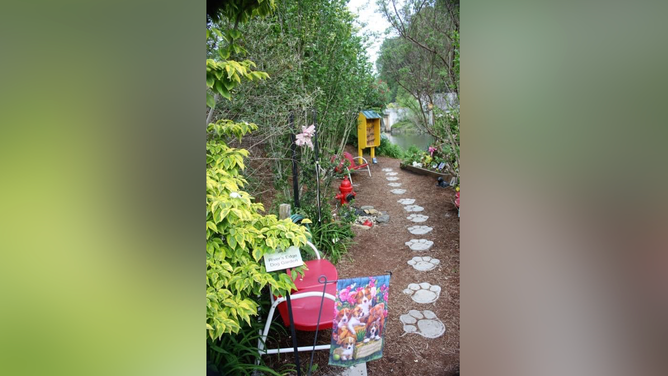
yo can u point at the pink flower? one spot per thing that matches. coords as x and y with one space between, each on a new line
304 138
351 300
309 131
385 296
372 282
432 150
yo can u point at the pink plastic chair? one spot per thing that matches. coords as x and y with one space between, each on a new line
305 304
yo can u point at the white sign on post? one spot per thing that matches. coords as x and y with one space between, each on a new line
283 260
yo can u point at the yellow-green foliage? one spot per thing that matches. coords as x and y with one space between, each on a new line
237 237
223 76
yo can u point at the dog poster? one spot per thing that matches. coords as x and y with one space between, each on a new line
360 313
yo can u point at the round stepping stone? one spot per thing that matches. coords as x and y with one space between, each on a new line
424 323
392 178
398 191
406 201
394 184
390 173
387 169
417 218
413 208
423 263
419 244
419 230
423 293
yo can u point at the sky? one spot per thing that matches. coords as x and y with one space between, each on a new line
375 22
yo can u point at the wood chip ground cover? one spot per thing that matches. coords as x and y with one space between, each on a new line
383 248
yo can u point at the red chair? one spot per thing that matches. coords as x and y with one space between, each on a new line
305 304
353 166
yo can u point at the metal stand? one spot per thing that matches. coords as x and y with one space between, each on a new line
294 334
317 163
295 168
323 280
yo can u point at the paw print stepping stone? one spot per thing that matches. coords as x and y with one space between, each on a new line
387 169
390 173
423 293
423 263
398 191
419 230
392 178
406 201
424 323
417 218
394 184
419 244
413 208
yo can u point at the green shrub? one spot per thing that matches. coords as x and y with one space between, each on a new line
388 149
237 237
237 354
332 239
413 154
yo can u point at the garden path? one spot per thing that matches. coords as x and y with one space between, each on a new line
420 246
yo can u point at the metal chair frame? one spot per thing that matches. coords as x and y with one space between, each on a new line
272 310
354 165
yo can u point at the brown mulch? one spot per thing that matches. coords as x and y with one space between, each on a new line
381 249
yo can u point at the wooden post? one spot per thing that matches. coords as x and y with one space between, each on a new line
284 211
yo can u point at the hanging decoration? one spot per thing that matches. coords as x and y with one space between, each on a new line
360 314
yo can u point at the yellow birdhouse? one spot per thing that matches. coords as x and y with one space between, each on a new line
368 132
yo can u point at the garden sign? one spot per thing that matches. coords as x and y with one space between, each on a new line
283 260
360 313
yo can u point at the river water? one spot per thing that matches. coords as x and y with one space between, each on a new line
405 140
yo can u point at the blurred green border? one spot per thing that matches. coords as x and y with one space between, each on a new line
102 153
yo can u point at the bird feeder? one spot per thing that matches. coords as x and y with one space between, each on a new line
368 133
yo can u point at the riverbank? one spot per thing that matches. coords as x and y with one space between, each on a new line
405 140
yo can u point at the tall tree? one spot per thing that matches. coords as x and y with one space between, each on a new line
316 61
424 61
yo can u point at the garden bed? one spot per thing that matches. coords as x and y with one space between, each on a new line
424 171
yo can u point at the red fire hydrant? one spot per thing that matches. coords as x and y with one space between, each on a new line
346 193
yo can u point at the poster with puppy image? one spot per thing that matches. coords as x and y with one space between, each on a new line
360 313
